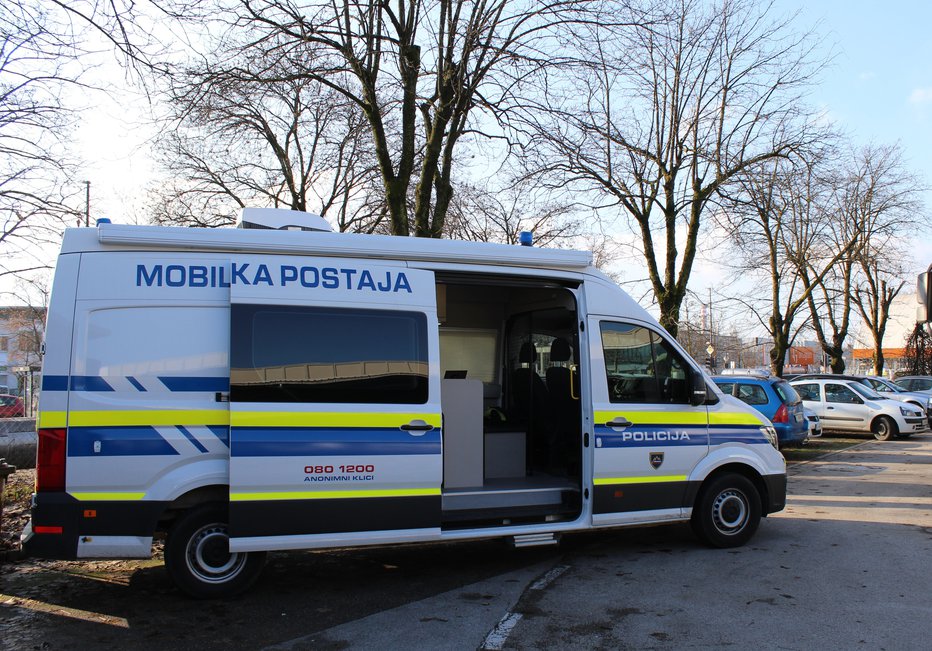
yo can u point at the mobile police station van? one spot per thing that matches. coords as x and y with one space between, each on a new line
264 388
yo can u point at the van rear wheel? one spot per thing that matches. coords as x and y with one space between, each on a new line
727 511
198 557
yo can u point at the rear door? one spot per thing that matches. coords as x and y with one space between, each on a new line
334 404
648 438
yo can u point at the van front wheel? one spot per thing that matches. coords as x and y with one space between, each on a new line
727 511
198 557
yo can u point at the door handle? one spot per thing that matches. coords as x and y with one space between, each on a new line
417 426
619 422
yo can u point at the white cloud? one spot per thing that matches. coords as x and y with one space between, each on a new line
867 76
921 96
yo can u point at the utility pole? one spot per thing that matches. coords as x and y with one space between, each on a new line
87 203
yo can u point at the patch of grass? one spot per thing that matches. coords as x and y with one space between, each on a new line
823 445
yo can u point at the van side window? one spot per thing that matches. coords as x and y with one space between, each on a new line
641 367
313 354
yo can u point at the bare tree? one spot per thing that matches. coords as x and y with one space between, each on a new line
425 75
781 224
665 117
501 216
886 202
234 141
37 55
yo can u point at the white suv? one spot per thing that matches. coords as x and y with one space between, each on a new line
848 405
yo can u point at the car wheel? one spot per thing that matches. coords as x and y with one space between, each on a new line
198 557
884 428
727 511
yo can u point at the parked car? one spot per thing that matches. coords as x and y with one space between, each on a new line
915 383
774 398
886 389
11 406
848 405
815 423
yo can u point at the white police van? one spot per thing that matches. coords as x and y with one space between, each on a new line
253 389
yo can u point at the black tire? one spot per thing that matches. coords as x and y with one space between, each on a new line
727 511
198 559
884 428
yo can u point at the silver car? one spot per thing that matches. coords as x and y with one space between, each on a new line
848 405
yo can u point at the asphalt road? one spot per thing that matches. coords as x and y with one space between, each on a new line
846 565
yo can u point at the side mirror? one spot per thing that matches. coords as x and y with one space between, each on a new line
698 393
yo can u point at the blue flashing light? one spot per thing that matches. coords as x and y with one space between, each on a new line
103 220
526 238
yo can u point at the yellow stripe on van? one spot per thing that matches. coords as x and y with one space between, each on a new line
50 419
107 497
154 417
638 417
678 417
648 479
327 419
727 418
331 495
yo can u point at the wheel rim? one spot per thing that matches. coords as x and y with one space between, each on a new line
208 555
730 511
882 428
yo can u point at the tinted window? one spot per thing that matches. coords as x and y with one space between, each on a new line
300 354
641 367
840 393
7 400
787 394
808 391
753 394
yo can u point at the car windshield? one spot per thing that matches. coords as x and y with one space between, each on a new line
889 386
7 400
864 391
787 393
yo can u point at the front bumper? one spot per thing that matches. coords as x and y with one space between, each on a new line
775 499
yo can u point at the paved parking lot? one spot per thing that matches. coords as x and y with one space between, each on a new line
846 566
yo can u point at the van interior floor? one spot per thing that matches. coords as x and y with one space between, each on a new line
539 497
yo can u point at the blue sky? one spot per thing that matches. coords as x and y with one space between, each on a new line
879 86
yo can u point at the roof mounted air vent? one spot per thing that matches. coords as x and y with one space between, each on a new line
282 220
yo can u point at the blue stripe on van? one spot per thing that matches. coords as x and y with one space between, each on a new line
89 383
641 436
136 383
188 435
181 383
117 442
98 383
307 441
54 382
222 432
749 434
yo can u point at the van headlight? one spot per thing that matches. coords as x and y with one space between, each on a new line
771 435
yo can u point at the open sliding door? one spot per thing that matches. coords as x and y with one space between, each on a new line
334 405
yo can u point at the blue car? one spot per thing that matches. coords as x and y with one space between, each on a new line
775 399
